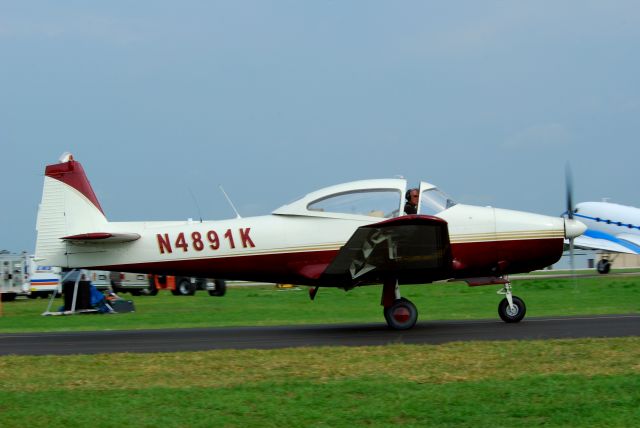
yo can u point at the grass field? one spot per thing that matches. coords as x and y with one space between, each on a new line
521 383
585 382
271 306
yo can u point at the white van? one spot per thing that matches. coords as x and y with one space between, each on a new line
43 280
14 275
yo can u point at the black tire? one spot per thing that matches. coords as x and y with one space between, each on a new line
8 297
185 287
603 266
33 295
115 287
505 313
149 291
401 315
221 288
152 290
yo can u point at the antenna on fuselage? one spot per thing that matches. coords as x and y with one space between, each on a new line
196 202
230 203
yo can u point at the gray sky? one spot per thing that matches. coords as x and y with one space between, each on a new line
160 100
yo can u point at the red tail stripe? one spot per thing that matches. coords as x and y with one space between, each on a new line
72 174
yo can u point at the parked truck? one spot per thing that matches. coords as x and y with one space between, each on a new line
186 286
135 283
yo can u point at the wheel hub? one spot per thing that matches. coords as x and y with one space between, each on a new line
512 312
401 314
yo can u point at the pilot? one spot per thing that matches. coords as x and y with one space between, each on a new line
411 207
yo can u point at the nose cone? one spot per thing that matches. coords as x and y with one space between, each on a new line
573 228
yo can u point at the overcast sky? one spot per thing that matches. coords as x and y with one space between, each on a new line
163 101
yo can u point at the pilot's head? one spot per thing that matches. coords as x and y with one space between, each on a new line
412 196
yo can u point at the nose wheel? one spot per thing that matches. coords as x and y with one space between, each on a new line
512 308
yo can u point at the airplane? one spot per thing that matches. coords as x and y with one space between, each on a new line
611 228
347 235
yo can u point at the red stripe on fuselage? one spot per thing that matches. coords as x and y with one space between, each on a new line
514 256
475 259
72 174
276 268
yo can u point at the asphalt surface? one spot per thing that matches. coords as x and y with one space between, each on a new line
428 332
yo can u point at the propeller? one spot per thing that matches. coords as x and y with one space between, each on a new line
572 227
569 190
569 194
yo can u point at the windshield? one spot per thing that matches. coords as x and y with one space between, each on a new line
433 201
373 203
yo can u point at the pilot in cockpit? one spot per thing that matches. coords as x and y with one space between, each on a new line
411 206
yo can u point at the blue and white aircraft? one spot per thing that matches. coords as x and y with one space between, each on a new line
611 228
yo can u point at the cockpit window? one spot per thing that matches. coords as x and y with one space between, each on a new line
382 203
433 201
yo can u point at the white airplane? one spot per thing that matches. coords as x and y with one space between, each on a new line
611 228
343 236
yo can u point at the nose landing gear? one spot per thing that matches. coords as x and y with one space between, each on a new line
512 308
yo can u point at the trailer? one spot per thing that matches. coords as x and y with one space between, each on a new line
14 275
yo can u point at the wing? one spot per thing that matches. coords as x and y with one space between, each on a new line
594 240
411 248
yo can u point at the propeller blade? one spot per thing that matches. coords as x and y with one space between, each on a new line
570 208
569 190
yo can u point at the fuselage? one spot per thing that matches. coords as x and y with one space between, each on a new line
297 242
281 248
618 226
609 218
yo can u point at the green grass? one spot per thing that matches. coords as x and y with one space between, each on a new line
585 382
582 382
271 306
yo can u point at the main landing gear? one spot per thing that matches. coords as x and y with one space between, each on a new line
603 266
512 308
400 313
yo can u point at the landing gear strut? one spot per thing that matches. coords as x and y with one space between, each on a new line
512 308
400 313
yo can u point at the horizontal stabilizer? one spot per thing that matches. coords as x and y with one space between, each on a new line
102 237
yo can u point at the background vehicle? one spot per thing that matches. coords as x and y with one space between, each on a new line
135 283
14 275
44 280
186 286
101 279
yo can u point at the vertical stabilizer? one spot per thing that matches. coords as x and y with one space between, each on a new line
68 207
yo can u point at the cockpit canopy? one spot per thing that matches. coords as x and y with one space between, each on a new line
383 198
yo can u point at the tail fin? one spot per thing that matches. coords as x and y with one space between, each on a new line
69 207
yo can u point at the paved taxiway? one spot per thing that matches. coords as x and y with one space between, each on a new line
428 332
